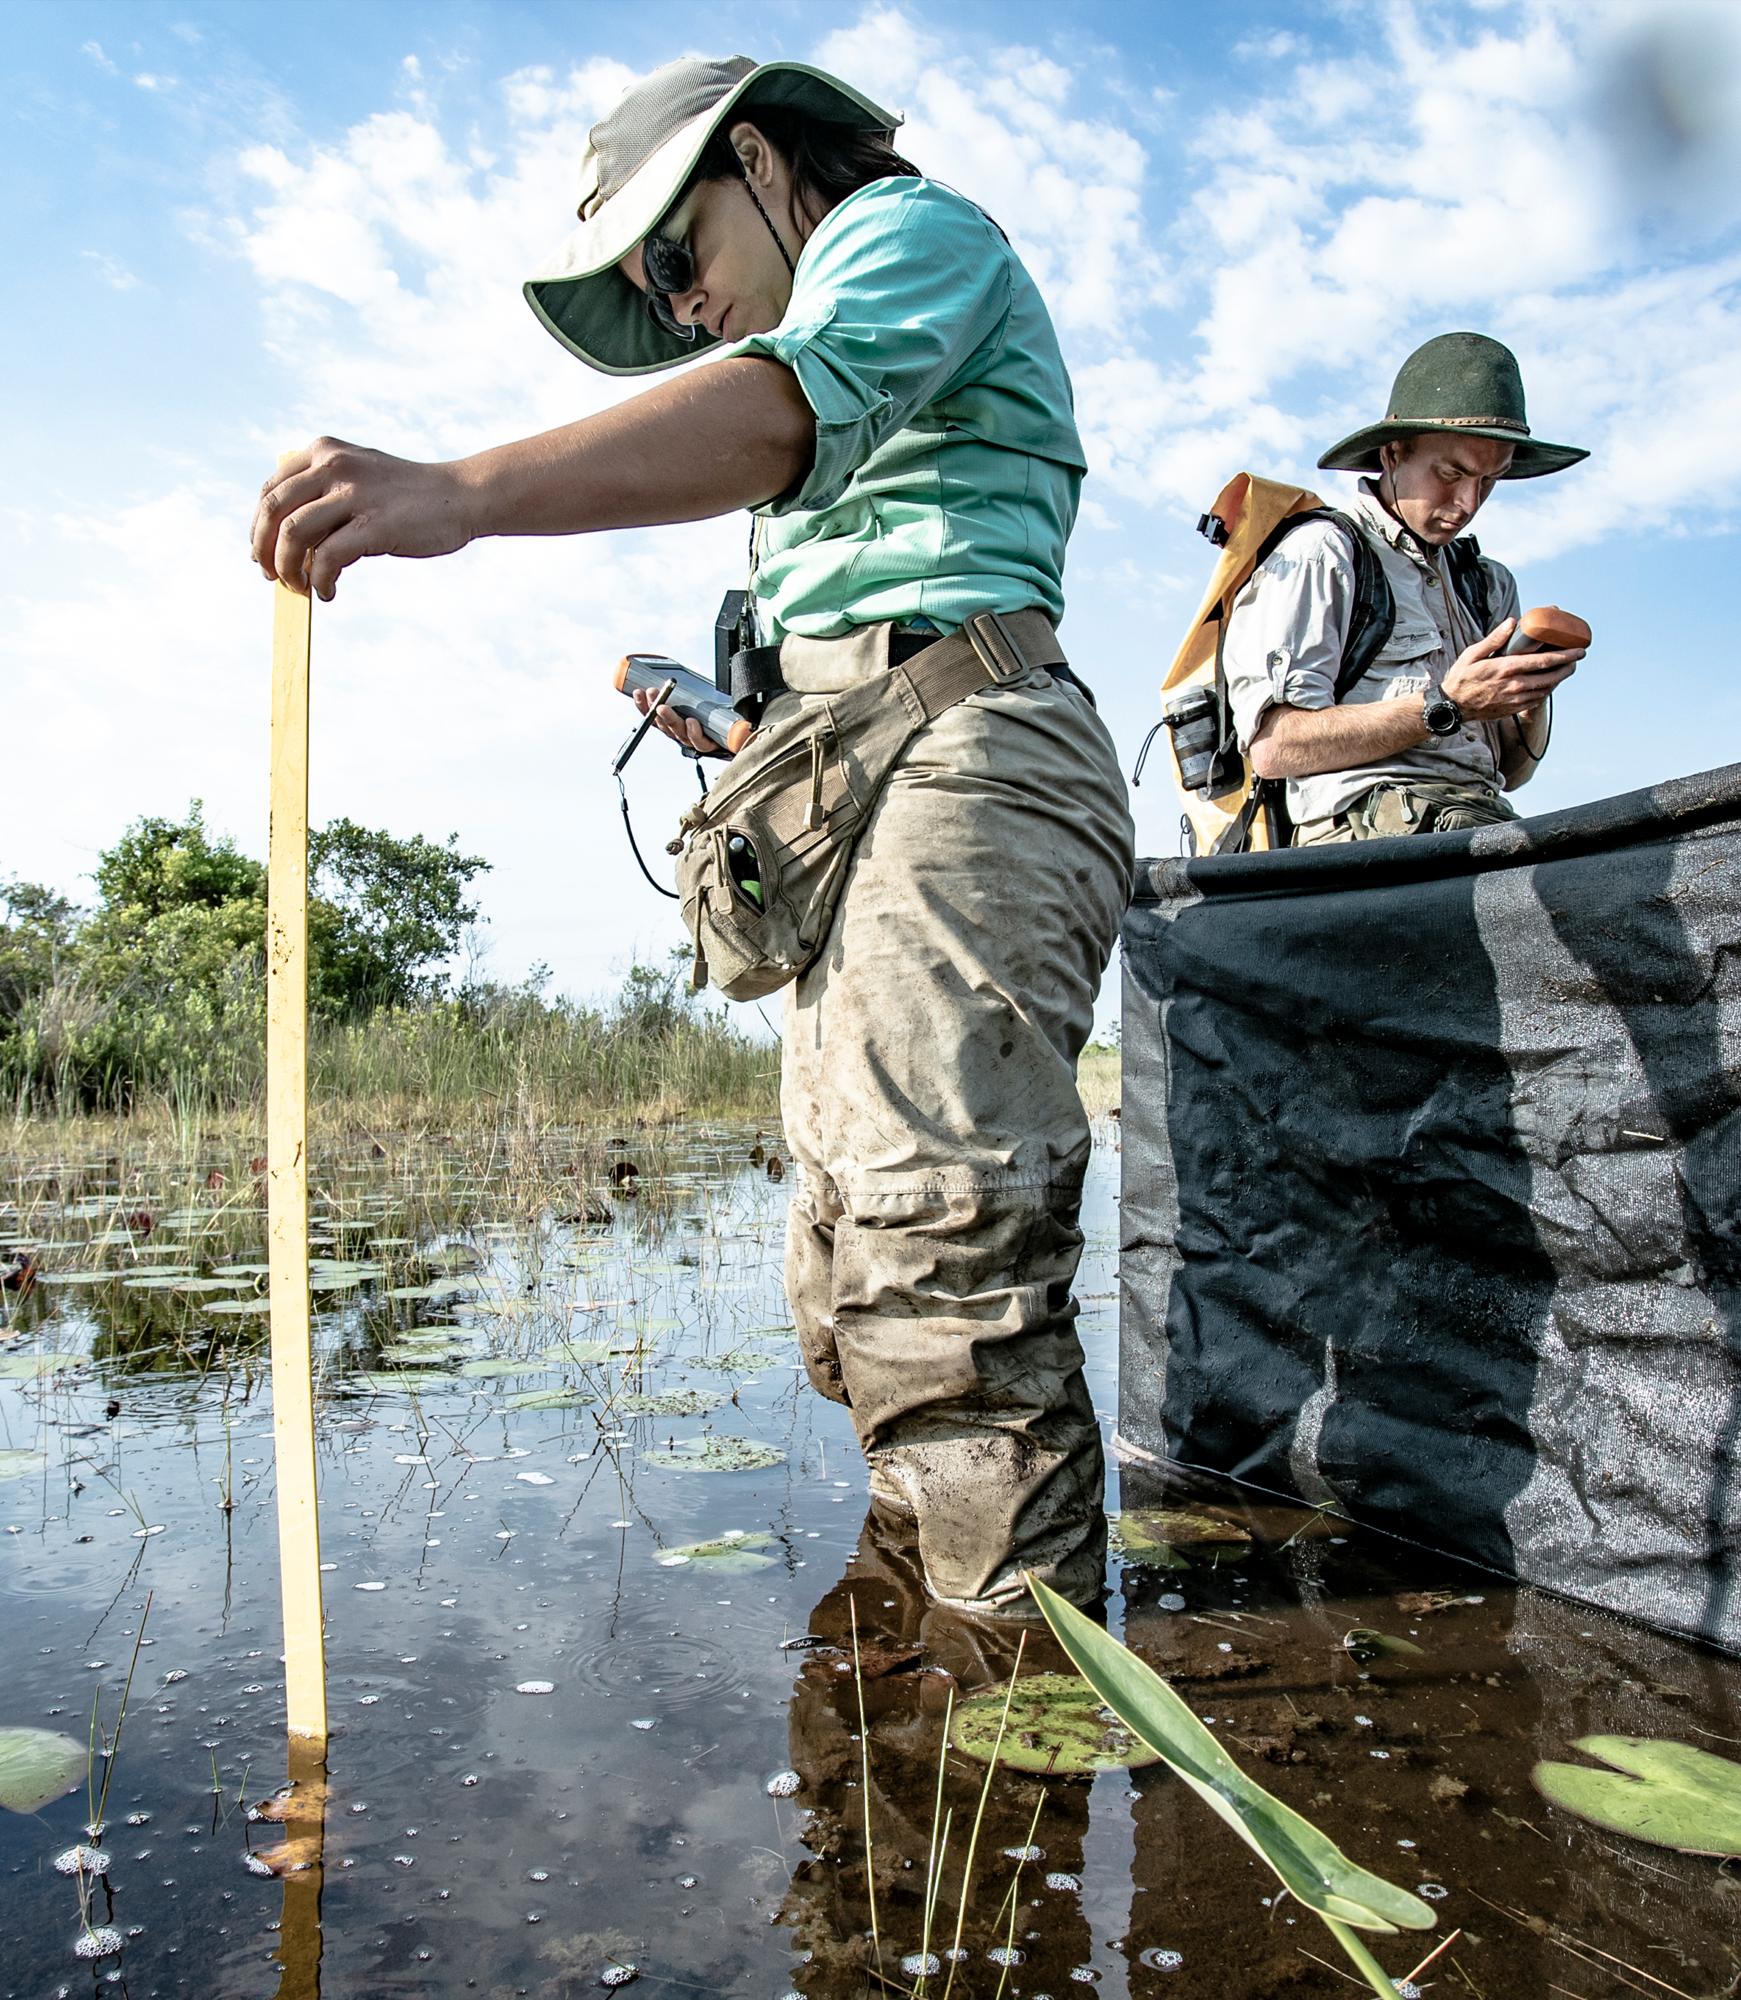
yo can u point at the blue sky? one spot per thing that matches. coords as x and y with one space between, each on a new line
225 234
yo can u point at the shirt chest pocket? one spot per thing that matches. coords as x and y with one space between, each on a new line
1411 639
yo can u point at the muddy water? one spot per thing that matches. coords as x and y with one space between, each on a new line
562 1748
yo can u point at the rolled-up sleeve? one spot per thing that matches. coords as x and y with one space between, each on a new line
896 295
1288 627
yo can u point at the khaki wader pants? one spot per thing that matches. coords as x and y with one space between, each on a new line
1389 810
929 1099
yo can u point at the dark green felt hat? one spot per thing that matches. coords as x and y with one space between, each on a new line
1468 385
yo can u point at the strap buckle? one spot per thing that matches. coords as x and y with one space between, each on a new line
994 643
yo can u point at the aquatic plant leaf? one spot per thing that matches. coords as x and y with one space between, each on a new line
409 1354
16 1463
1367 1644
37 1766
1670 1794
731 1552
29 1367
487 1367
738 1360
668 1403
237 1308
167 1280
1313 1867
582 1353
1058 1726
78 1277
384 1383
715 1454
1168 1527
550 1399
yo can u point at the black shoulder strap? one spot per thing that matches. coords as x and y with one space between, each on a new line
1468 574
1374 610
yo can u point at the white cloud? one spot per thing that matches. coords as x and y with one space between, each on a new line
95 51
111 270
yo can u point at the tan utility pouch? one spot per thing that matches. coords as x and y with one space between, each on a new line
763 858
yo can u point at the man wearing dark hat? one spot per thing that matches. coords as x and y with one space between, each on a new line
1442 723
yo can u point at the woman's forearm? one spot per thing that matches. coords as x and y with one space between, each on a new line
731 435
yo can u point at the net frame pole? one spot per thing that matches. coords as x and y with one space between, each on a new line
287 1175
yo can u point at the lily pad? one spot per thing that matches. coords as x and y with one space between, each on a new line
714 1454
78 1277
550 1399
37 1766
668 1403
582 1353
488 1366
237 1308
31 1367
731 1552
1159 1536
409 1354
1058 1726
1670 1794
17 1464
385 1383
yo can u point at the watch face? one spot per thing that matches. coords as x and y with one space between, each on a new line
1441 715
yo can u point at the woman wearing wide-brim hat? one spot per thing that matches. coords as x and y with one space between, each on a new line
892 405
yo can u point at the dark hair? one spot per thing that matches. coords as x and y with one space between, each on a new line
829 160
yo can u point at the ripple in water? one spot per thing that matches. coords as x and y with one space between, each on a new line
660 1668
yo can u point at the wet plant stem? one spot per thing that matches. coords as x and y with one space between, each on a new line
979 1816
934 1855
99 1816
1350 1941
870 1873
1014 1901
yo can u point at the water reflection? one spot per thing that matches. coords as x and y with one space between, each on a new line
301 1862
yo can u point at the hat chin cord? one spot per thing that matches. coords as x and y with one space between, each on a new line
779 244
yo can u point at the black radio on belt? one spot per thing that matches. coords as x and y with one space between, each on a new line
747 675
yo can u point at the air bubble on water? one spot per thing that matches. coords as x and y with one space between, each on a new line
102 1941
367 1700
253 1863
1084 1975
361 1806
470 1778
1170 1600
1365 1721
368 1586
536 1687
1408 1989
405 1861
783 1784
410 1458
534 1479
175 1674
1435 1892
642 1722
1024 1854
139 1535
1070 1884
921 1965
619 1974
91 1860
687 1881
138 1819
1005 1954
538 1875
1158 1959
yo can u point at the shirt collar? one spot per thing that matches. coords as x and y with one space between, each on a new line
1375 515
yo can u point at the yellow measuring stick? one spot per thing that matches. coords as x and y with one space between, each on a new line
287 1173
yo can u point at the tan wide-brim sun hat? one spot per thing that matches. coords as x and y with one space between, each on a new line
636 162
1468 385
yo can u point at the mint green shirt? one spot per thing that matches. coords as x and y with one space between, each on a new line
948 464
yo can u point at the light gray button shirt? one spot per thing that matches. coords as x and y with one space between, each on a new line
1285 639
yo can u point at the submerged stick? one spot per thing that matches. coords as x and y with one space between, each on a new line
287 1172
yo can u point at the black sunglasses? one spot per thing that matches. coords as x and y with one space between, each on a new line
670 267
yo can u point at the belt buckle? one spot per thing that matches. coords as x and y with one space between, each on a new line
998 652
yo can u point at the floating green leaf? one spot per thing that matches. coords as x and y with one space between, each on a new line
1058 1726
715 1454
419 1354
237 1308
488 1366
1313 1867
582 1353
371 1382
731 1552
668 1403
37 1766
550 1399
78 1277
1670 1794
30 1367
15 1463
1366 1644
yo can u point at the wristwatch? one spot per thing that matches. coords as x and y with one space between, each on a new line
1440 713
